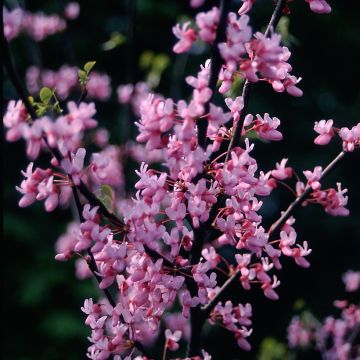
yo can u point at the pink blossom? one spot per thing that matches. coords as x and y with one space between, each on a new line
299 335
196 3
39 26
12 22
336 201
269 60
235 106
266 127
352 280
246 6
319 6
14 119
207 23
350 138
211 256
238 34
157 118
269 287
72 10
98 86
172 339
282 172
65 244
39 185
326 131
106 167
74 166
313 177
186 36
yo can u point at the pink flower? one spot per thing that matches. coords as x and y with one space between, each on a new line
172 339
269 287
211 256
266 127
282 172
326 131
72 10
106 167
175 321
351 280
235 106
238 34
350 138
39 26
157 117
207 23
65 244
186 36
336 201
74 166
319 6
313 177
299 334
12 22
98 86
39 185
33 134
14 119
196 3
246 6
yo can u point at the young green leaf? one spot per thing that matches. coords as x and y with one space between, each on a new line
88 66
46 95
105 195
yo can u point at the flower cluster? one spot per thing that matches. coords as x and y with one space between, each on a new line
254 58
65 133
36 25
164 244
333 337
317 6
350 137
65 80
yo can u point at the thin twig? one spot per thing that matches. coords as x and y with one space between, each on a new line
299 200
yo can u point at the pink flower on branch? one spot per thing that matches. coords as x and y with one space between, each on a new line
186 36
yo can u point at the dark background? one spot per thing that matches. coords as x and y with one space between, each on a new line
42 303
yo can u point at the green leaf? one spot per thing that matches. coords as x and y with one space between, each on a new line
88 66
272 349
46 94
146 59
160 62
116 39
105 195
107 190
82 77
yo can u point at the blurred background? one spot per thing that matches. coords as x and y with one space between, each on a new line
43 297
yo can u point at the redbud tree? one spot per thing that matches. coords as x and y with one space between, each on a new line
168 253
